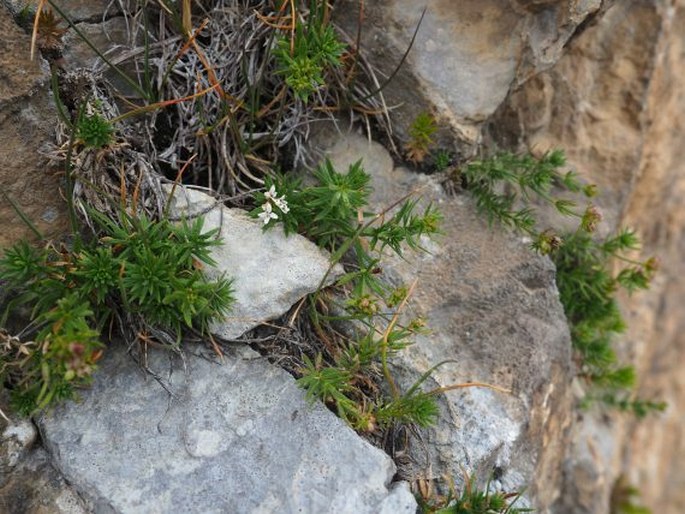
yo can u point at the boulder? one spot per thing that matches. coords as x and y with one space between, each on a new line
29 484
467 55
78 10
234 436
613 102
270 271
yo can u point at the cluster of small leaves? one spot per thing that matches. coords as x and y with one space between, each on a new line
331 212
151 269
624 497
474 501
421 133
587 290
505 185
304 58
50 30
442 160
94 130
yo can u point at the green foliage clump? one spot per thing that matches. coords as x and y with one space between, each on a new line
473 501
94 130
151 269
505 187
304 58
523 178
332 213
624 497
587 289
421 133
442 159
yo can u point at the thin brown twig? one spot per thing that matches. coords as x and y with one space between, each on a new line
36 22
452 387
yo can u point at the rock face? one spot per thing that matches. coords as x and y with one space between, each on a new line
78 10
467 54
27 118
492 307
236 436
28 482
270 271
614 103
599 80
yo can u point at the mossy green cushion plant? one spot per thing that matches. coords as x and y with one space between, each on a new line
303 58
139 267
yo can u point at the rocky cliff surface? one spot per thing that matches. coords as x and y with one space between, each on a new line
615 102
597 78
600 80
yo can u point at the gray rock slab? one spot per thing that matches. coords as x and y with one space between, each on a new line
109 37
492 307
270 271
234 437
29 484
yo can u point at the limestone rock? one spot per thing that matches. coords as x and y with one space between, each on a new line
27 118
110 38
17 439
492 306
467 54
28 482
271 271
613 102
236 437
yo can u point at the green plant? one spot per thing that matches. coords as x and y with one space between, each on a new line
623 498
473 501
443 159
421 133
505 185
94 130
332 213
138 268
304 58
587 290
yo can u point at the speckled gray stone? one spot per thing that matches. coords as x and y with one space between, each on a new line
237 437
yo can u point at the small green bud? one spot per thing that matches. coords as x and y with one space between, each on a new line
590 190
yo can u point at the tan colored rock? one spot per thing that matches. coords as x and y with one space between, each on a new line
467 54
27 119
614 102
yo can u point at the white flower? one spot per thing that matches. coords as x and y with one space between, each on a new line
267 213
271 193
282 204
